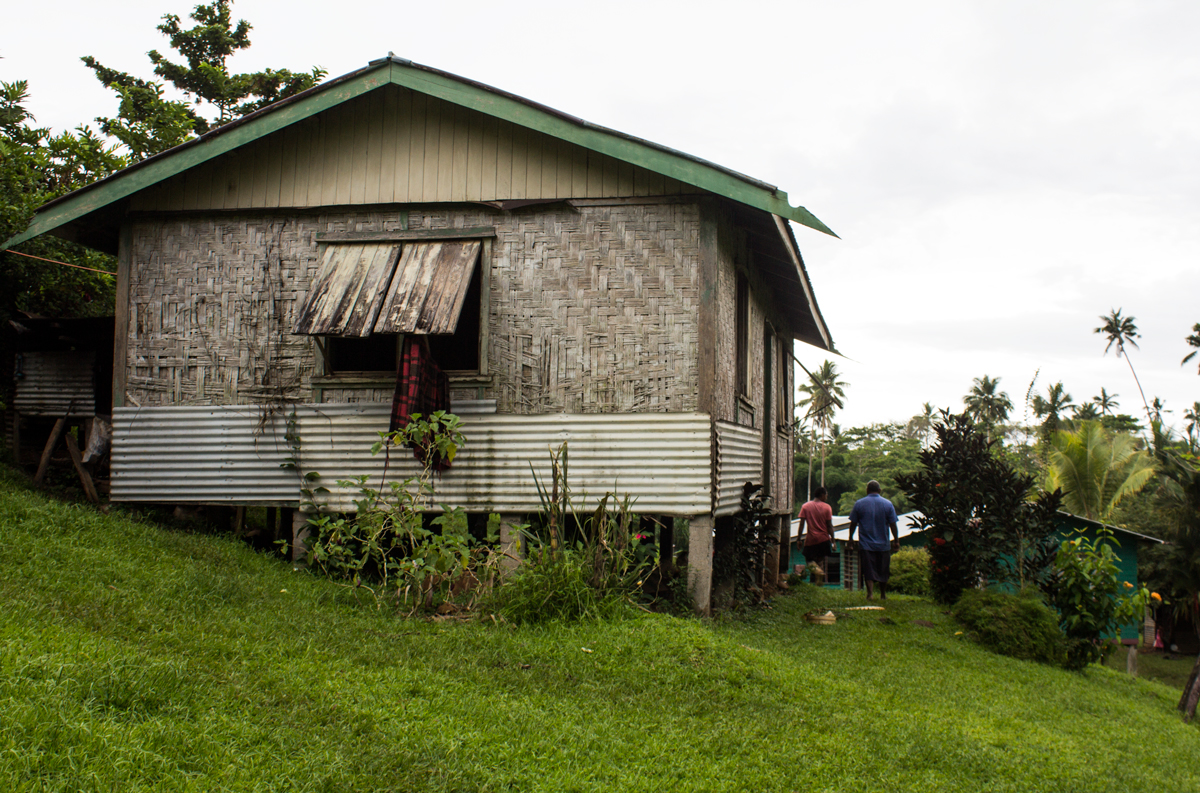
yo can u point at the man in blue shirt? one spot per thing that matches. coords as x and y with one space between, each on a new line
876 515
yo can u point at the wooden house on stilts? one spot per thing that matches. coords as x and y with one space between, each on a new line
578 285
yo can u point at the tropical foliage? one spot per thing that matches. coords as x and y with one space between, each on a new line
1121 331
823 393
1096 469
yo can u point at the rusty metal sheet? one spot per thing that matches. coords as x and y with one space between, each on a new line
243 455
739 460
344 298
52 382
427 292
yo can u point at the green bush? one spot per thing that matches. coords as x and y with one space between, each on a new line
910 572
548 588
1021 626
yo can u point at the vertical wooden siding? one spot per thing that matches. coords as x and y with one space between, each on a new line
396 146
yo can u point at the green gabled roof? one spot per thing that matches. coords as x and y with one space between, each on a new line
105 193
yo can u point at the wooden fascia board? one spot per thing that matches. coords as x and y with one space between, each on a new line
125 185
678 167
789 244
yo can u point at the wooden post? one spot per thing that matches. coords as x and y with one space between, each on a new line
51 442
771 563
300 535
239 520
510 542
700 551
1131 661
16 437
89 488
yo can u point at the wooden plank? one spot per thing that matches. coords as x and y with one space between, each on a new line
624 179
373 153
416 157
403 144
491 140
314 165
251 173
121 319
433 140
346 293
190 181
387 143
612 177
485 303
427 291
336 127
504 160
563 187
55 435
201 181
595 175
579 170
459 152
359 147
474 182
520 154
533 164
445 159
89 487
287 167
708 326
275 167
471 232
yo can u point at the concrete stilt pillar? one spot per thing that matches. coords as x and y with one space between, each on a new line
510 542
700 553
300 535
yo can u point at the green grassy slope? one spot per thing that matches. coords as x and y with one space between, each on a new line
138 658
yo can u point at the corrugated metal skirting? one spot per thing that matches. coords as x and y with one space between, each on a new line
739 460
235 455
52 381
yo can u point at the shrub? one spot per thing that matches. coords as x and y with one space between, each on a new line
1089 597
1020 626
555 588
910 572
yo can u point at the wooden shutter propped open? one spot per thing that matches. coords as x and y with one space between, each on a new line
428 289
345 297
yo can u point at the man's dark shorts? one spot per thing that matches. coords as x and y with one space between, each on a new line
817 551
876 565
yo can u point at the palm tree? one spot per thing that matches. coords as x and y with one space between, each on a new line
987 405
1085 412
1121 331
1194 341
921 425
1159 407
824 394
1097 469
1192 417
1050 409
1106 402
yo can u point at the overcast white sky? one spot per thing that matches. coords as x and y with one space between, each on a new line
1000 173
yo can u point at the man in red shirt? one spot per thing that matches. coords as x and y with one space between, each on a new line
817 518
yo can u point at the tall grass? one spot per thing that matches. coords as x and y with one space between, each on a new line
135 658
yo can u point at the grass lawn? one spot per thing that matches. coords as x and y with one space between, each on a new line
139 658
1170 669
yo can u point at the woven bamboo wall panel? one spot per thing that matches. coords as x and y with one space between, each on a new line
591 310
396 146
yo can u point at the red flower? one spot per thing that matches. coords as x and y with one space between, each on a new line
938 541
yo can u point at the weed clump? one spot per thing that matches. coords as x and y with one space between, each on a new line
1020 626
910 572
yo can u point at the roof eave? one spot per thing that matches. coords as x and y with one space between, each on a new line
443 85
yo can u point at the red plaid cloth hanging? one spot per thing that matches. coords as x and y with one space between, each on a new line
421 387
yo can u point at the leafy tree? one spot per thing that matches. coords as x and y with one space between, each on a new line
35 167
1096 469
920 426
1050 409
1122 331
1178 560
978 514
824 392
986 404
147 123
